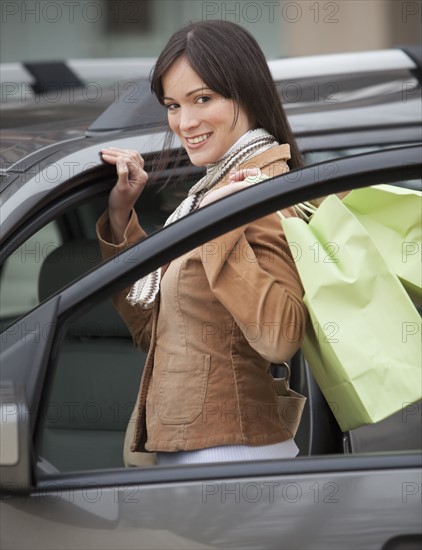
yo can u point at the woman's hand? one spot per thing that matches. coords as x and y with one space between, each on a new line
238 180
131 181
131 177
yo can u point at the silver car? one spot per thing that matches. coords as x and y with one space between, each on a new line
70 373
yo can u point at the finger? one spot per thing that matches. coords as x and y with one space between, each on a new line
111 159
140 159
240 175
116 151
122 170
110 152
133 158
111 156
113 153
136 170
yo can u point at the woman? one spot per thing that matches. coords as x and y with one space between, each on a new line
214 319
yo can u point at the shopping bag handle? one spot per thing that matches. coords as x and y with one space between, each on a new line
303 209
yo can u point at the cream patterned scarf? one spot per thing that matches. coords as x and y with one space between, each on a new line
254 142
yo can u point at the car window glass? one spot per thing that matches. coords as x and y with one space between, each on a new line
92 395
20 272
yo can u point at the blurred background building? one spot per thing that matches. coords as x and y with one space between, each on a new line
80 29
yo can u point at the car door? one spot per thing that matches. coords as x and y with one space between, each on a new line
335 500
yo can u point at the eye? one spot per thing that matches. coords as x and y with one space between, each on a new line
171 106
203 99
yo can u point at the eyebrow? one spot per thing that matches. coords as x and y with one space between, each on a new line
201 89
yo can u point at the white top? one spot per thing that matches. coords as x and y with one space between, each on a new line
230 453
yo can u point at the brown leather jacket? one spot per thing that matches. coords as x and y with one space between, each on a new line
226 310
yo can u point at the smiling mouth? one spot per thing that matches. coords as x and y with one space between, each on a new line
198 139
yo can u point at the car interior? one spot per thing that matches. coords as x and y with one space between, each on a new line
98 373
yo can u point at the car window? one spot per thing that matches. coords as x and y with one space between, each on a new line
92 395
20 291
89 404
20 272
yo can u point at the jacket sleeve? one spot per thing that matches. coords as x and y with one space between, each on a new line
252 273
138 320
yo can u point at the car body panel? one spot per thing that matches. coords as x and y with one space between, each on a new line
351 91
332 510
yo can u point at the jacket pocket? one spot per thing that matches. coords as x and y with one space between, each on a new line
183 388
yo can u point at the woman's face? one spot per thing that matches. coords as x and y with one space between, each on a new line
200 117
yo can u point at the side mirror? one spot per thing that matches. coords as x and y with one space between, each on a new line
15 472
24 353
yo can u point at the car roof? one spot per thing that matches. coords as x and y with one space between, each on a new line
41 74
336 97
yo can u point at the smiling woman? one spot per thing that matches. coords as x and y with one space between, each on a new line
201 118
201 381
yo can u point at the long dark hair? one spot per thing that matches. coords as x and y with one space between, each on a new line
230 62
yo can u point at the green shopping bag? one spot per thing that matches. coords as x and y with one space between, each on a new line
392 216
362 340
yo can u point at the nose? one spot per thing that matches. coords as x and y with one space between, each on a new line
188 119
